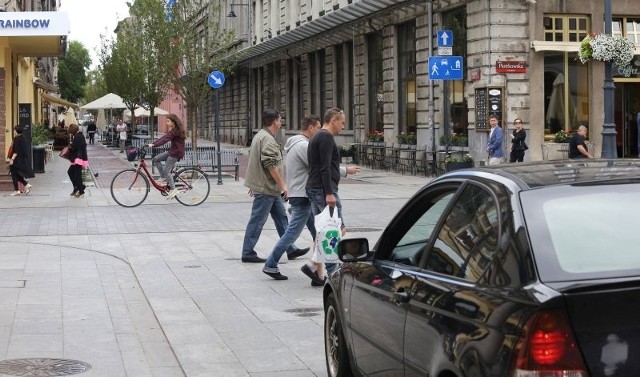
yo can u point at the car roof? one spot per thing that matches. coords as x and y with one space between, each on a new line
547 173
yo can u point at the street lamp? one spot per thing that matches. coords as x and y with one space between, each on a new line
232 14
609 149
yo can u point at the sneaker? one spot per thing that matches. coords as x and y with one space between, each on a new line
172 194
73 193
27 189
16 193
79 194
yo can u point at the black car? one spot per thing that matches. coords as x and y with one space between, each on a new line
520 270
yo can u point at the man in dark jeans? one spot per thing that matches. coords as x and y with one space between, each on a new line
577 146
324 176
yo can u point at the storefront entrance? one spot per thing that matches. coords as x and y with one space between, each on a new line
627 118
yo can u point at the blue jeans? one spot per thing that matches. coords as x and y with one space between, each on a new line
318 202
300 215
263 205
165 172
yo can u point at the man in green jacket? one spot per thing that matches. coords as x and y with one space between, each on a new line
265 180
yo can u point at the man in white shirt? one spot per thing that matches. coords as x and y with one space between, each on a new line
122 132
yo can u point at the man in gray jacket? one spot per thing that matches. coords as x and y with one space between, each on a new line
297 171
267 186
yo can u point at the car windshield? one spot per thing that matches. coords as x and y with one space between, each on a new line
584 232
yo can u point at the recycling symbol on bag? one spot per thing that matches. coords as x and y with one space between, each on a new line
330 241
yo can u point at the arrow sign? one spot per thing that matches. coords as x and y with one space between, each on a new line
216 79
445 38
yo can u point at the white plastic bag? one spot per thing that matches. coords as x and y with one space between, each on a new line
328 234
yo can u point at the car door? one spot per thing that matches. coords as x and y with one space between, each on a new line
453 323
381 288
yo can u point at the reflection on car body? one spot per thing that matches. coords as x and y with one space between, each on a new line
518 270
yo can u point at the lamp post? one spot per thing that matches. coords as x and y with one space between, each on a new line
232 14
609 149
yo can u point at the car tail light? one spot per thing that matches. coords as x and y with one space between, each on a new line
549 348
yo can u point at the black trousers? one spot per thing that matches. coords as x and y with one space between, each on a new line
91 137
15 177
75 175
516 156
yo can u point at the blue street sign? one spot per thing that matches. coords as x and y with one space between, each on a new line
445 67
445 38
216 79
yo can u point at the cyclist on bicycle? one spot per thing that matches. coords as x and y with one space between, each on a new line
176 136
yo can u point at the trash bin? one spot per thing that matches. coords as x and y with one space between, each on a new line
38 158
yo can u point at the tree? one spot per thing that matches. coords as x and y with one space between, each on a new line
72 72
95 87
151 34
201 44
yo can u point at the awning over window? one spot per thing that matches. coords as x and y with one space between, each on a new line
57 100
334 27
40 83
539 46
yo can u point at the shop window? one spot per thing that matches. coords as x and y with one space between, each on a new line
566 93
374 79
629 27
407 77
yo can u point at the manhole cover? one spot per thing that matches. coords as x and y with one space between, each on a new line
42 367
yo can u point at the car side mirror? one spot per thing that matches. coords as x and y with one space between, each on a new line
353 249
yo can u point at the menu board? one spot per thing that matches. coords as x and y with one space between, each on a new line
489 101
481 110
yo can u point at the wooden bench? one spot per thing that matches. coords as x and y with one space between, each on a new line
206 158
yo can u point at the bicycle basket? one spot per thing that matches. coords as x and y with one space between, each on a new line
132 153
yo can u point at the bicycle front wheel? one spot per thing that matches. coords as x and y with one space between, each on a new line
129 189
193 186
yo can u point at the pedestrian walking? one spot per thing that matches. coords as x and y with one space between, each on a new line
121 128
176 136
91 130
265 180
577 147
297 172
79 160
518 142
322 185
19 164
494 146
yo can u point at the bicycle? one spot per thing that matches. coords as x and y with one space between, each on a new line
130 187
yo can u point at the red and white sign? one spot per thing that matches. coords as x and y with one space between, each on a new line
511 66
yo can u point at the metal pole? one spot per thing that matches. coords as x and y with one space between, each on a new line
432 92
216 106
609 128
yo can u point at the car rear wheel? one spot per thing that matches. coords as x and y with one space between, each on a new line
335 346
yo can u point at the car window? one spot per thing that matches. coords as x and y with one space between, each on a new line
467 240
418 227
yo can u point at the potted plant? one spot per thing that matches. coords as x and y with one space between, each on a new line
39 136
453 163
346 150
562 136
375 136
409 139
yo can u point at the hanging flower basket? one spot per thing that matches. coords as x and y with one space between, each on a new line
606 48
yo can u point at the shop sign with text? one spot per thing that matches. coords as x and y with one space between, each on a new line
511 66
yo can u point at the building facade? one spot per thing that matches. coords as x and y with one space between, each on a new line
33 34
371 58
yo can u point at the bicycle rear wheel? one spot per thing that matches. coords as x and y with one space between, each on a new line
129 189
193 186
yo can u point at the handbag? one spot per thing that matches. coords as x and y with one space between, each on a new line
66 153
10 152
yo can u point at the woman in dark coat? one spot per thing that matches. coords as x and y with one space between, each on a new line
20 167
518 144
79 160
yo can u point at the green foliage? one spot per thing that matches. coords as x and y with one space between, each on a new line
39 134
562 136
72 72
202 45
96 86
407 139
466 158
